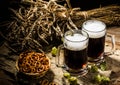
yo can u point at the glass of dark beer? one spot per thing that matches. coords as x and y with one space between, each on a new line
74 46
97 31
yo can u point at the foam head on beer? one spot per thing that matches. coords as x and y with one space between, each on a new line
75 42
94 28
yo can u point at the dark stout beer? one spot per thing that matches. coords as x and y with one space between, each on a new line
75 51
96 31
96 47
75 60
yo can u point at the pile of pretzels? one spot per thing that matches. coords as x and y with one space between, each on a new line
33 62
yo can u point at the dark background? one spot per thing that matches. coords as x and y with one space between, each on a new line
83 4
91 4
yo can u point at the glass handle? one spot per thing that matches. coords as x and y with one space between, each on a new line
57 58
113 43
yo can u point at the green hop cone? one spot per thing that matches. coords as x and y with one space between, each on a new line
54 51
103 66
97 78
66 75
94 68
73 80
105 79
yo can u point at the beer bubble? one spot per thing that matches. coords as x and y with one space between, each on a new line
75 42
94 28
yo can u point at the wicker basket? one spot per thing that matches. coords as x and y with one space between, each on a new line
33 75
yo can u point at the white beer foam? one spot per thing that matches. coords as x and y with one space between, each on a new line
94 28
75 42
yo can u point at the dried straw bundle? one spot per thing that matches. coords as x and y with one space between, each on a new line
109 15
38 24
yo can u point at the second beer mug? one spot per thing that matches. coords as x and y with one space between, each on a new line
97 32
74 51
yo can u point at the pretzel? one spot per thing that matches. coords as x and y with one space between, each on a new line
45 82
40 69
44 61
46 67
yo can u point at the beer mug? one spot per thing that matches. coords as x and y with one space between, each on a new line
97 32
74 48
